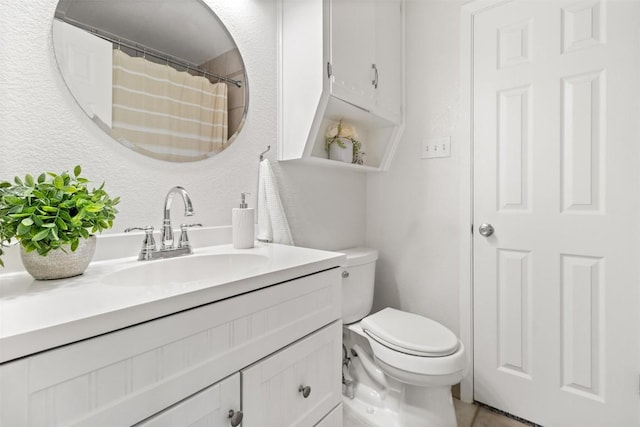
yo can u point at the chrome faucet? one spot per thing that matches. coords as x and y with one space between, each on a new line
167 248
167 233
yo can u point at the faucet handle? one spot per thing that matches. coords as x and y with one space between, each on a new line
184 237
148 244
146 229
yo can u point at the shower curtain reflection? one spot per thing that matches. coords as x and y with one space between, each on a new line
166 113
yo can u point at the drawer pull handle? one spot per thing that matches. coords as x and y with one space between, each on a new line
305 390
236 417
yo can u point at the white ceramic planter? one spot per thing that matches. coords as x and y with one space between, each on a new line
58 264
342 154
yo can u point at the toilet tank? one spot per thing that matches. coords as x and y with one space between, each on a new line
358 278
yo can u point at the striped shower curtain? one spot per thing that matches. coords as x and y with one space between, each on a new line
165 113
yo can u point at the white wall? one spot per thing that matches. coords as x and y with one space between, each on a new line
413 209
43 129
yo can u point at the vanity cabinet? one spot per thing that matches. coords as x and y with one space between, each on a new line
340 60
192 367
297 386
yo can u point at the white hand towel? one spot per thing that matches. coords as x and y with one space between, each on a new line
272 221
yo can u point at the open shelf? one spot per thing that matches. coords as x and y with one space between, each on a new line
375 133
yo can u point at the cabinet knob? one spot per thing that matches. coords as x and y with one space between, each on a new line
235 417
305 390
345 274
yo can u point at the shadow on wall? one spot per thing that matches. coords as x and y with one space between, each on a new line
337 218
386 292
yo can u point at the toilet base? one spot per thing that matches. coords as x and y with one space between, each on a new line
367 410
412 407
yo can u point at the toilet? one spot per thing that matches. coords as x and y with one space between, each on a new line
398 367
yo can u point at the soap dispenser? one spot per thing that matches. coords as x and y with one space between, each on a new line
243 224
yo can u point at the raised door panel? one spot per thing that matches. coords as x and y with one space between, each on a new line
353 51
127 376
389 59
208 408
273 388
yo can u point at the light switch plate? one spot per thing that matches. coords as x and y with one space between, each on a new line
436 147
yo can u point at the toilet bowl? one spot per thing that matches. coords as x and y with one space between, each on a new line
399 367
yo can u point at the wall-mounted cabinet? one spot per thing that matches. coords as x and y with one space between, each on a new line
340 60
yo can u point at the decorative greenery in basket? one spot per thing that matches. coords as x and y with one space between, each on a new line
341 130
53 210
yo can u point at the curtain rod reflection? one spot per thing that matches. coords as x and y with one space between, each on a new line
148 51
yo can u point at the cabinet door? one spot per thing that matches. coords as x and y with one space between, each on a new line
274 390
389 59
352 51
208 408
334 419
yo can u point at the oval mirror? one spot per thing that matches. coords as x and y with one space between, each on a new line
162 77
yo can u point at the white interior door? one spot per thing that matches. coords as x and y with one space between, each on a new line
556 160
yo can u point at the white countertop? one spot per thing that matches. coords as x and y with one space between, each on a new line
40 315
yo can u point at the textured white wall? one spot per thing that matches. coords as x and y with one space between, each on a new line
42 129
413 209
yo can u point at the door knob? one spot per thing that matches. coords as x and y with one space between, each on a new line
486 230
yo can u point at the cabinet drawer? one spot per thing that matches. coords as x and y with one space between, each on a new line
126 376
272 388
208 408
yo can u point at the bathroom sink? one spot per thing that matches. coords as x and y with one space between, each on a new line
183 271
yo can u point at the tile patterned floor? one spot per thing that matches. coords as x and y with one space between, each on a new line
472 415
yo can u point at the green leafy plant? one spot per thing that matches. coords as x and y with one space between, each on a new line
334 135
53 211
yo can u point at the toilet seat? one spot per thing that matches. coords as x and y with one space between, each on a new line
412 369
410 333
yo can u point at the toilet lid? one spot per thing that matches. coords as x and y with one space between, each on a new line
410 333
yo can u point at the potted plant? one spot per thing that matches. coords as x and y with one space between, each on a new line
54 218
341 142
